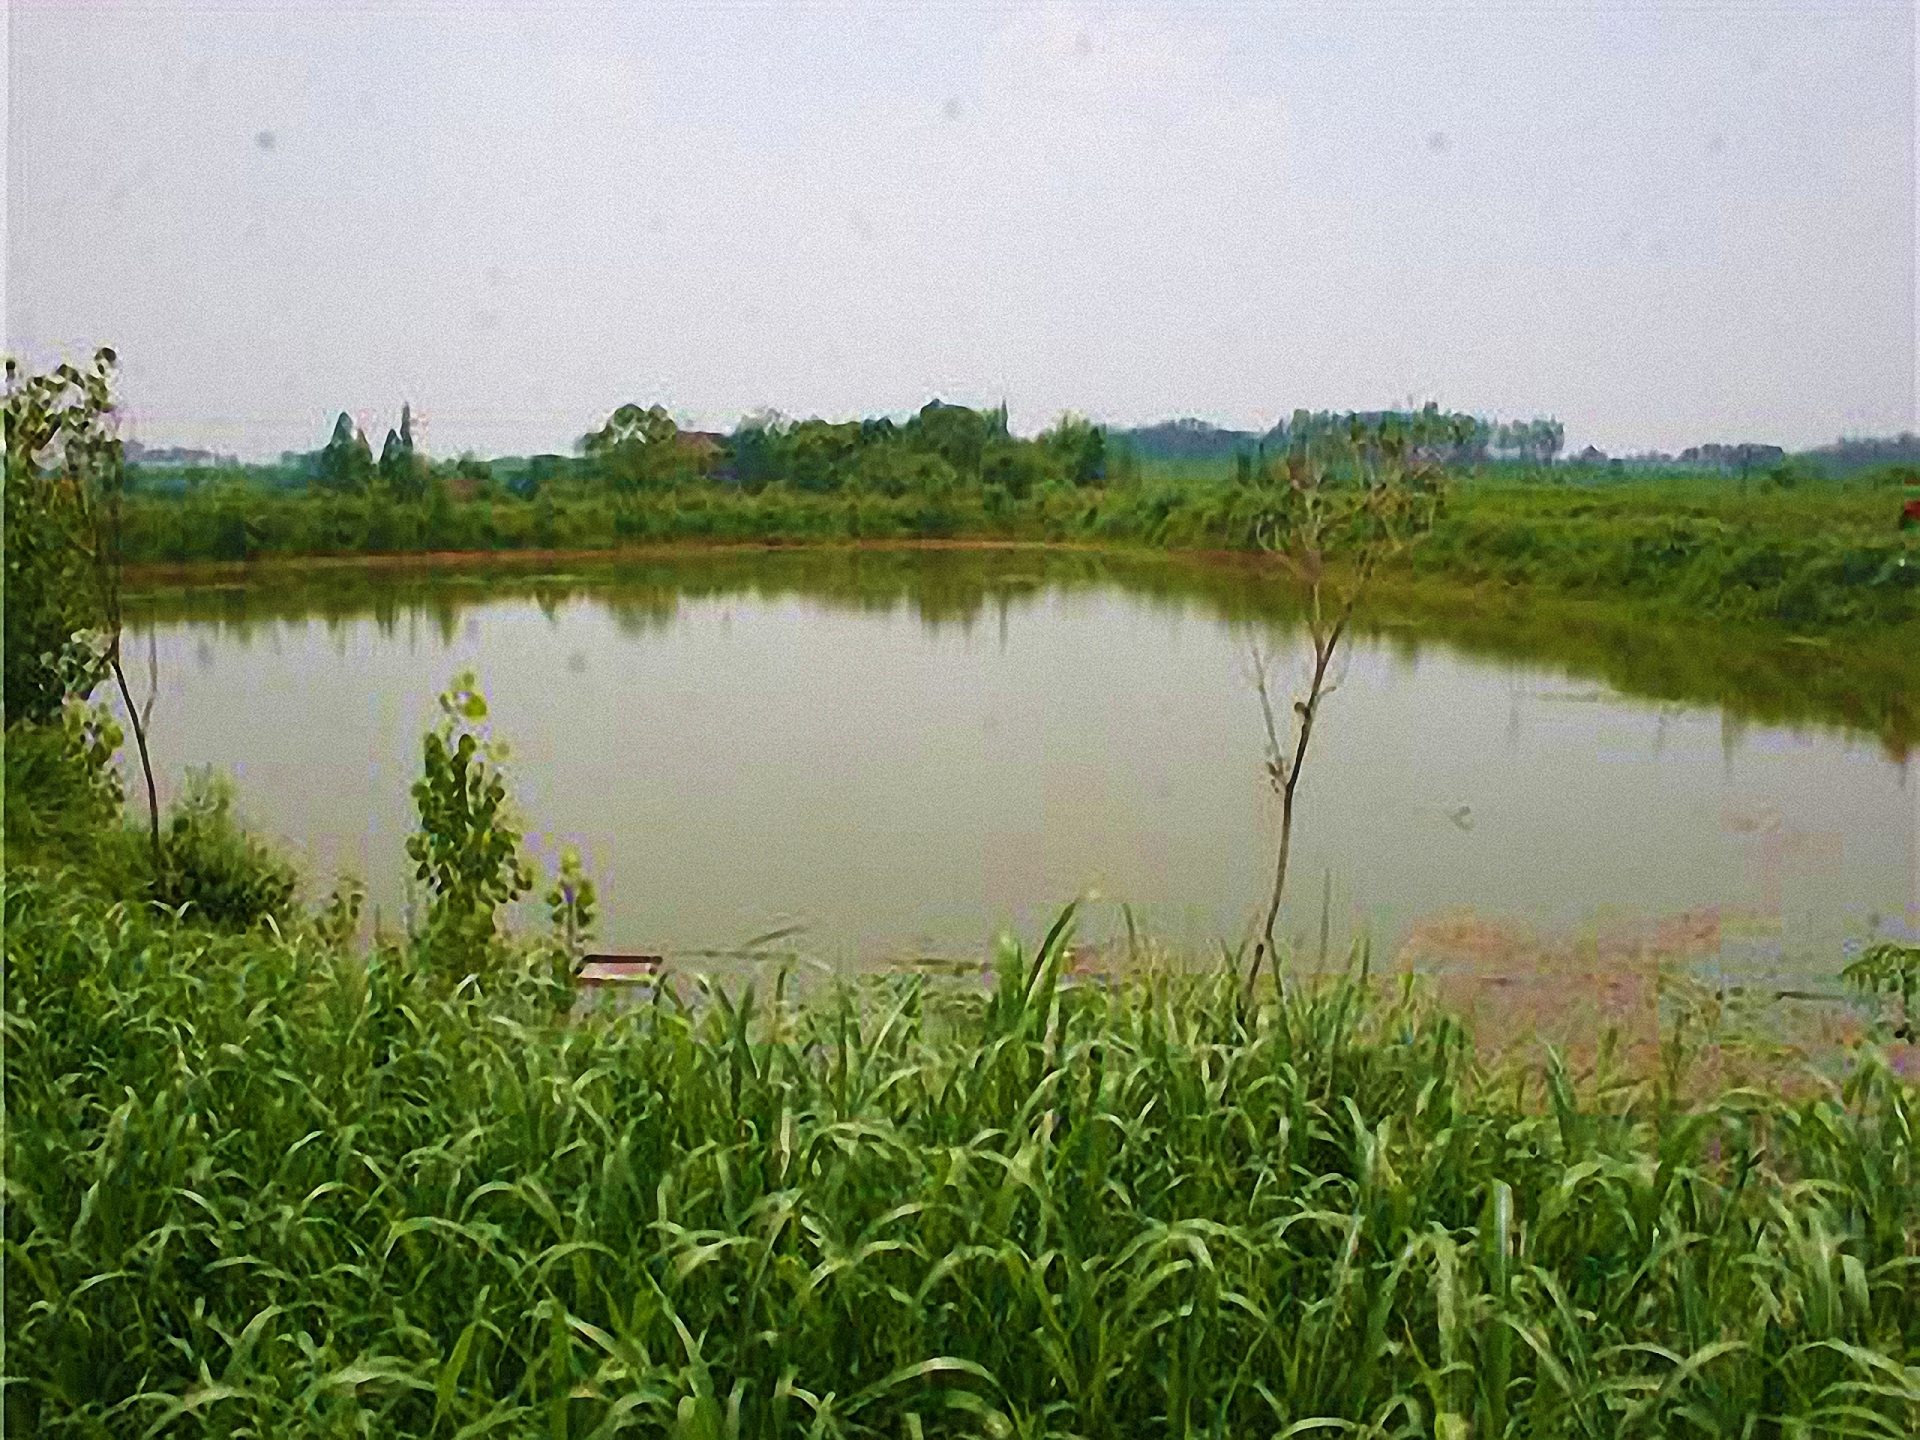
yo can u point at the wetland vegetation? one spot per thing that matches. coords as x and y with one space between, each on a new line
1785 545
267 1174
269 1185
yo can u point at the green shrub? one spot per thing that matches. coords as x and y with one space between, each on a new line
63 794
1892 969
210 866
467 849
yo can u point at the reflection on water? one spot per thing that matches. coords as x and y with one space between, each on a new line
901 750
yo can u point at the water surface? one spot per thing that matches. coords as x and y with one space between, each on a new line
900 754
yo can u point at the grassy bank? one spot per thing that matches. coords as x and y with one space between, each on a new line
267 1186
1818 559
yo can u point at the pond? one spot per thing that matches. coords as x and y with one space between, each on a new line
894 754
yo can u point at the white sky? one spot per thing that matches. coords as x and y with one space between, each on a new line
1662 222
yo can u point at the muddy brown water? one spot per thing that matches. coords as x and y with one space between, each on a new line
887 756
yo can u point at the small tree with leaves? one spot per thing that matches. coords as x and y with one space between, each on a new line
467 849
1892 969
570 906
1344 502
65 488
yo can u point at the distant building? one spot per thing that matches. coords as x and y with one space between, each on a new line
1592 455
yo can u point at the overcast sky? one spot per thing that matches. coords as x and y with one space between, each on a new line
1662 222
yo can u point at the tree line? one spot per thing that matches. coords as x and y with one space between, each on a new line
941 448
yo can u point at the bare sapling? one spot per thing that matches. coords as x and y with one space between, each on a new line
100 490
106 562
1337 513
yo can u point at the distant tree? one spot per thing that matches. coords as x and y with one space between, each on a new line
758 449
346 464
635 449
403 471
1019 467
1533 442
1471 436
954 433
541 472
1187 438
822 455
1848 455
1080 448
897 470
1090 467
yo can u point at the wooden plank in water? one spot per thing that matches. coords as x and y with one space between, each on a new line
618 969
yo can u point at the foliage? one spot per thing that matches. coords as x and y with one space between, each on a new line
895 471
1017 471
61 454
402 470
219 873
1817 558
338 922
1892 969
261 1186
63 794
570 904
1079 447
346 464
957 434
1533 442
65 545
638 449
467 849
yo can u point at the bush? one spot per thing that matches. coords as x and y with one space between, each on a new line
63 794
467 850
210 865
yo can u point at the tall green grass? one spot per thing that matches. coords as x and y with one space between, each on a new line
263 1186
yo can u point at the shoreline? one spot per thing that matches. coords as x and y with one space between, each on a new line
1761 671
214 571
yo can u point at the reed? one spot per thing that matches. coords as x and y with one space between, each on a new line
265 1185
